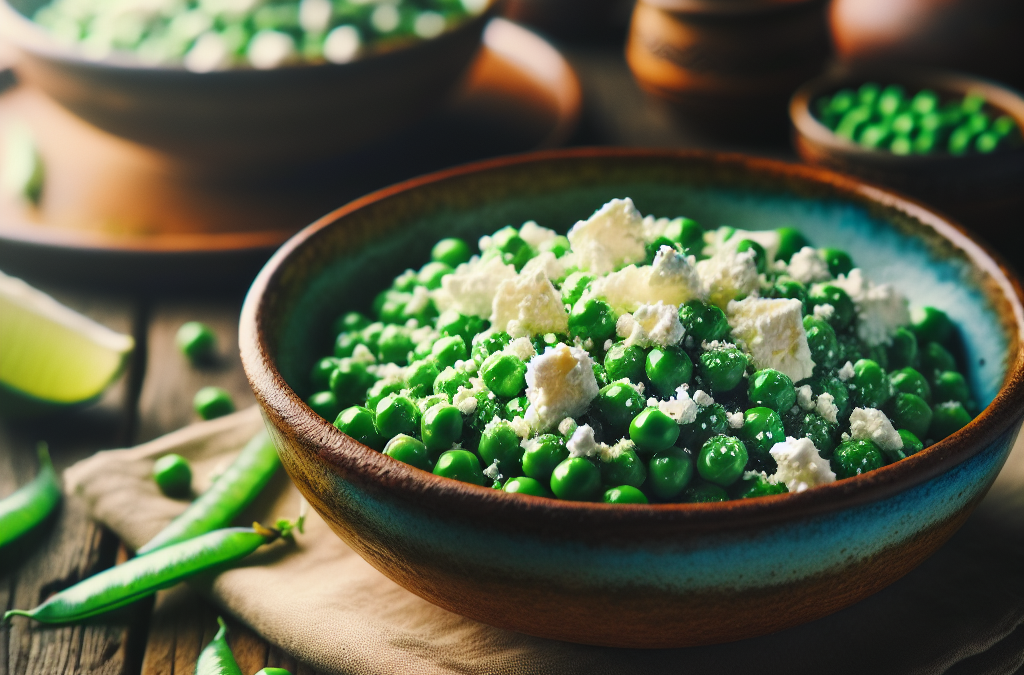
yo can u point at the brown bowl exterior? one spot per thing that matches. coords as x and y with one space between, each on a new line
663 575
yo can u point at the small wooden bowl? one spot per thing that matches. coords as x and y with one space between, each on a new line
659 575
244 119
983 192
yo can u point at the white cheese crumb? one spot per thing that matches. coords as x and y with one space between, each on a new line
674 275
552 267
880 309
583 443
389 372
492 471
535 235
729 238
728 275
702 399
680 407
471 288
560 383
607 454
824 312
747 475
807 267
772 331
465 397
827 408
653 228
671 279
608 344
521 427
522 348
419 300
567 426
800 465
363 354
871 424
805 397
735 419
846 372
610 238
649 325
529 305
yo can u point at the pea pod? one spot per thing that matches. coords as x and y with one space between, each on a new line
230 493
144 575
216 658
32 503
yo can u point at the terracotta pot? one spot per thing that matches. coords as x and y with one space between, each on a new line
727 66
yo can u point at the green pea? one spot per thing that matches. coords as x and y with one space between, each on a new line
791 240
760 255
451 251
821 339
911 443
653 247
669 472
756 485
197 341
626 468
173 475
325 404
960 140
843 309
711 420
600 375
890 100
419 378
702 492
951 386
451 322
909 381
379 390
821 433
901 145
350 380
390 306
525 485
622 362
558 245
624 494
504 374
722 369
771 389
592 319
722 460
211 402
667 369
902 352
850 348
924 102
706 323
947 419
931 325
616 405
853 458
517 407
788 288
430 275
761 430
576 479
485 344
404 282
440 427
903 124
500 443
542 342
871 387
460 465
837 389
987 142
409 450
652 430
925 143
874 135
1004 125
320 376
867 93
357 422
851 124
394 345
486 411
542 454
514 249
910 412
346 344
447 350
396 414
688 233
839 261
574 286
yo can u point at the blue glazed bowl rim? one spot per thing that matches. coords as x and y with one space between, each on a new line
353 461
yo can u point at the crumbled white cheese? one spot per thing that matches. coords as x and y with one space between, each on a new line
583 444
419 300
610 238
470 289
871 424
680 407
560 383
880 308
728 238
521 348
656 324
607 453
671 279
653 228
521 427
492 471
535 235
465 397
389 372
827 408
824 312
703 399
772 331
423 333
363 354
800 465
807 267
735 419
846 372
567 426
747 475
728 275
552 267
529 304
674 277
805 397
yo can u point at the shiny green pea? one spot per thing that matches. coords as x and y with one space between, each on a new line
440 427
936 359
911 443
761 430
653 247
211 402
624 494
451 251
652 430
843 309
688 233
706 323
320 376
771 389
576 479
667 368
197 341
910 412
395 415
625 362
910 381
711 421
791 240
760 255
404 282
504 374
500 443
902 352
592 319
380 390
430 275
451 322
626 468
703 492
449 381
346 344
756 485
871 387
447 350
542 454
325 404
821 339
574 286
525 485
460 465
350 380
616 405
419 378
723 369
837 389
789 288
722 460
357 422
931 324
371 336
410 451
394 345
853 458
951 386
485 344
947 419
821 433
517 407
669 472
173 475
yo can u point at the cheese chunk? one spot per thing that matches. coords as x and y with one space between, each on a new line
800 465
672 279
656 324
772 332
583 444
553 268
880 308
807 267
471 288
560 383
728 238
728 275
528 304
871 424
610 238
535 235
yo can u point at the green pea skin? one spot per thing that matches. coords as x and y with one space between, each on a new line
592 319
173 475
371 336
624 494
910 381
871 387
910 412
655 246
947 419
350 322
197 341
761 430
447 350
652 430
451 322
936 359
669 472
843 309
723 369
688 233
771 389
951 386
911 443
524 485
576 479
500 443
667 368
380 390
460 465
722 460
320 376
394 345
760 255
616 405
931 325
903 352
358 423
788 288
419 378
821 339
837 389
517 407
345 344
441 427
485 344
430 275
449 381
542 454
451 251
839 261
410 451
755 485
703 492
574 286
504 374
791 240
622 362
212 402
624 469
711 421
216 658
395 415
349 381
853 458
706 323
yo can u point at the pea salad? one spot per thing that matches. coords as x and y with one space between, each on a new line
641 360
209 35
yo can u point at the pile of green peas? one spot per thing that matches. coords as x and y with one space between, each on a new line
207 35
888 118
412 414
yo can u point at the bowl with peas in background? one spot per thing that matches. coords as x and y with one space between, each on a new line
950 140
243 85
662 560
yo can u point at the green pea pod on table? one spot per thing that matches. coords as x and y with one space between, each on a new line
144 575
28 506
230 493
216 658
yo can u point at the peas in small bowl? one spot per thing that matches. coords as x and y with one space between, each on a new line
662 573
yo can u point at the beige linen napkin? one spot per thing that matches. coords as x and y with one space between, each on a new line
962 611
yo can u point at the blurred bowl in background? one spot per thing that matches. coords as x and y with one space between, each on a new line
728 67
983 191
245 119
574 19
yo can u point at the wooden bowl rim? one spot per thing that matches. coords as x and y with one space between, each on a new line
812 130
727 8
346 457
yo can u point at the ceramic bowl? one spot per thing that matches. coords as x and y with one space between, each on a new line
244 119
663 575
981 191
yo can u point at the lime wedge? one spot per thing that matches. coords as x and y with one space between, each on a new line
50 354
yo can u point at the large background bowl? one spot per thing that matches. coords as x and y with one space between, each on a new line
244 118
640 576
